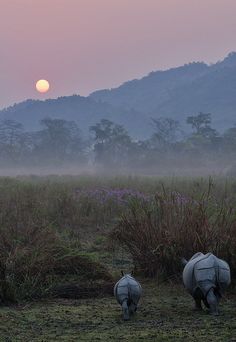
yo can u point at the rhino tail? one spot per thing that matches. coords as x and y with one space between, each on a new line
184 261
125 309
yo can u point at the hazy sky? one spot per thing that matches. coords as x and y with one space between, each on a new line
84 45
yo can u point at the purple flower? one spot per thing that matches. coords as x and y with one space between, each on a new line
181 199
104 195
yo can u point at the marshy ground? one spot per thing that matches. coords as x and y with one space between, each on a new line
165 314
57 231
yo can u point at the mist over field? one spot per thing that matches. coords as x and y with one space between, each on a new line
117 167
77 207
60 147
179 121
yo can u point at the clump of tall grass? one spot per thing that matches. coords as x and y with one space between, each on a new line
38 244
43 221
37 259
158 233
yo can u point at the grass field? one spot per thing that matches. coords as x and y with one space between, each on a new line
165 314
84 230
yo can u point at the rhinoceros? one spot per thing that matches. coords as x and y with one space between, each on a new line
128 292
206 277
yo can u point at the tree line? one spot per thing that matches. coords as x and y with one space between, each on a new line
59 142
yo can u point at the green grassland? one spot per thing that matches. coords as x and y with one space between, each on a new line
165 314
82 231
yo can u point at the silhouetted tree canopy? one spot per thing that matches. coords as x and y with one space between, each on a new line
60 142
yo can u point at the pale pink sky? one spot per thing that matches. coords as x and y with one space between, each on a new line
84 45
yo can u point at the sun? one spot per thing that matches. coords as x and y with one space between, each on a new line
42 86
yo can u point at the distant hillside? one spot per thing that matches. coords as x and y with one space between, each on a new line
151 91
84 111
181 91
176 93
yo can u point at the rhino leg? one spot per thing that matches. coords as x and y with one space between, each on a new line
198 304
197 296
132 308
205 303
125 310
213 303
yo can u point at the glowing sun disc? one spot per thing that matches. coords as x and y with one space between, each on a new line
42 86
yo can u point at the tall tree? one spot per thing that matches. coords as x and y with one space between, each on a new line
229 139
12 141
166 131
201 125
111 143
59 140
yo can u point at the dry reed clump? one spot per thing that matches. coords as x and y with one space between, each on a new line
159 232
37 250
34 265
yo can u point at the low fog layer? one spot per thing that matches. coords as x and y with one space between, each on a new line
59 147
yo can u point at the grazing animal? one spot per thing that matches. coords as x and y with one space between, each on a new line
128 292
206 277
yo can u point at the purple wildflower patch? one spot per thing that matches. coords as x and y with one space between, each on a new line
181 199
120 196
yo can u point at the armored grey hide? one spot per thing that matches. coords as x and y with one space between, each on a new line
206 271
128 292
206 277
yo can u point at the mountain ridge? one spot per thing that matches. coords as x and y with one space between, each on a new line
175 92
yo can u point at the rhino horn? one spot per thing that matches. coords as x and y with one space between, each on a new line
122 273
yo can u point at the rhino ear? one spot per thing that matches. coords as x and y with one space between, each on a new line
122 273
184 261
132 273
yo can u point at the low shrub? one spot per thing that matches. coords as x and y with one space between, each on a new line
41 260
160 232
39 247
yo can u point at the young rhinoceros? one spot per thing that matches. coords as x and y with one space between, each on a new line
128 292
206 277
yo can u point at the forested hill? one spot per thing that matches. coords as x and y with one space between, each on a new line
175 93
83 110
181 91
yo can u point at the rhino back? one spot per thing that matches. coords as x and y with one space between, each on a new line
121 290
135 291
223 274
188 272
127 288
205 273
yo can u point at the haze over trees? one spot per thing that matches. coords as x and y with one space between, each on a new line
178 120
60 143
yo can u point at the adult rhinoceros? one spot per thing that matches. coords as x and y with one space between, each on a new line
128 292
206 277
